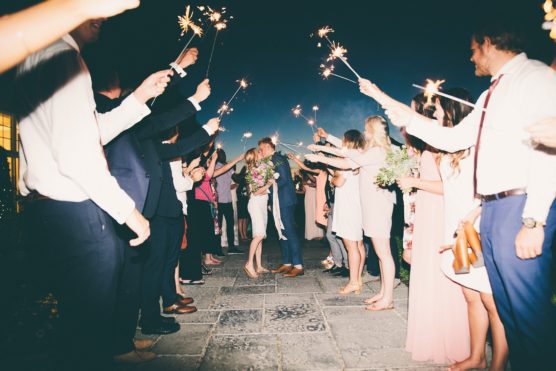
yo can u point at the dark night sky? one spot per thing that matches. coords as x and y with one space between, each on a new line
393 43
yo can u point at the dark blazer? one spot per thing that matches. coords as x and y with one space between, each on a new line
286 189
133 157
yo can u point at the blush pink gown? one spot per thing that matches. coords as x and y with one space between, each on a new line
438 328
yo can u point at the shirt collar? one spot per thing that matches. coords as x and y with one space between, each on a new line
510 66
71 41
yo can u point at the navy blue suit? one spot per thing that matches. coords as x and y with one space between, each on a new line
290 248
134 161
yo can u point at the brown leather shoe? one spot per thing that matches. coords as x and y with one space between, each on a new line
282 269
184 300
134 357
179 309
142 344
295 272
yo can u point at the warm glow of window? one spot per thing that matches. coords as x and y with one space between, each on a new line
9 140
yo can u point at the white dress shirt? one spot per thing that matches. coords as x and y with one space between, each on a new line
61 154
506 159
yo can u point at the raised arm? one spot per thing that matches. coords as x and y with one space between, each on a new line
302 165
228 166
337 162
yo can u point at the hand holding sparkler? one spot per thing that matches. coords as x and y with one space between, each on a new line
153 85
202 92
188 58
213 125
322 133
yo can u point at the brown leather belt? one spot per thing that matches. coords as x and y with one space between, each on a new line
501 195
36 196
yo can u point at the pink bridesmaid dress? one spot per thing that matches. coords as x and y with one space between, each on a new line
438 328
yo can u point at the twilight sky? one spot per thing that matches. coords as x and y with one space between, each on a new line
393 43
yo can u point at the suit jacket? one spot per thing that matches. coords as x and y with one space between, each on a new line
286 189
133 157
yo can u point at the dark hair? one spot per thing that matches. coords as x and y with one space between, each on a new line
454 111
504 36
267 140
221 156
355 139
423 109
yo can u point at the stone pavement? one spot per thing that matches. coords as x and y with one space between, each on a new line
277 323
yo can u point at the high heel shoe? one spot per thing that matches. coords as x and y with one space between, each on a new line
474 241
349 288
461 257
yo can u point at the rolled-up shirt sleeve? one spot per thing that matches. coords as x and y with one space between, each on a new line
77 150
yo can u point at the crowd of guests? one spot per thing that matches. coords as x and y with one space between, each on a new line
111 189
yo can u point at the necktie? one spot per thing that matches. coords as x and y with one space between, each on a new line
483 114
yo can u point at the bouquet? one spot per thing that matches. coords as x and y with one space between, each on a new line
261 174
399 163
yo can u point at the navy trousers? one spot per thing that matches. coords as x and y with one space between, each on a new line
291 249
521 288
159 267
84 257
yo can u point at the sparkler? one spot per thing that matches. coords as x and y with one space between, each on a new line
245 138
550 18
219 22
225 107
297 113
327 71
432 89
338 52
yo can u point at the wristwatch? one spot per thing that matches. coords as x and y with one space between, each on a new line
531 223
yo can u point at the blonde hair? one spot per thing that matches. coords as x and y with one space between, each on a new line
251 158
376 133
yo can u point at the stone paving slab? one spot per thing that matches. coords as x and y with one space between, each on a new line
166 363
201 316
238 302
318 352
247 290
240 322
298 285
293 318
243 352
262 280
191 339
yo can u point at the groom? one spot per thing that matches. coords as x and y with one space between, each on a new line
292 261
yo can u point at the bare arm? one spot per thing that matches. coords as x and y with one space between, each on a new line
34 28
301 165
331 150
212 165
224 169
337 162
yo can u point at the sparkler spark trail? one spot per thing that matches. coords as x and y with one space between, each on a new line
327 71
245 138
431 89
323 33
225 108
338 52
297 113
216 17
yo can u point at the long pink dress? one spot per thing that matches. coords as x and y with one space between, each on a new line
438 328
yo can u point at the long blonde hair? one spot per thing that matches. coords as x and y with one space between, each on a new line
376 133
251 158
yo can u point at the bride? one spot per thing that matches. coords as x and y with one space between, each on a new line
259 180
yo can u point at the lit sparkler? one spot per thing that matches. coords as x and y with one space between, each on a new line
217 18
328 71
297 112
246 136
550 18
225 107
338 52
431 89
185 22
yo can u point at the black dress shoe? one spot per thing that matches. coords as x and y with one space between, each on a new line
167 319
336 269
220 253
234 251
344 272
329 269
160 329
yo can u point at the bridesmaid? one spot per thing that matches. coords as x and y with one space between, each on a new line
456 170
347 219
377 204
437 327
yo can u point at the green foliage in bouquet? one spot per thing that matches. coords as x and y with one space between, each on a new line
399 163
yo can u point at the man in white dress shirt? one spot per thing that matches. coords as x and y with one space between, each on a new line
65 175
515 180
